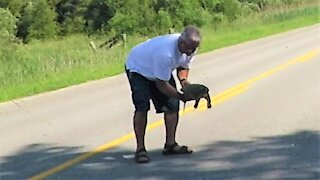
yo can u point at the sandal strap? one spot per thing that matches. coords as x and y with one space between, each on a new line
176 149
141 150
185 148
170 146
141 156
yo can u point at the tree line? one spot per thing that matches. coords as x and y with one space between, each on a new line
42 19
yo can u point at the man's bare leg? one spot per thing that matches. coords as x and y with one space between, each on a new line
171 147
139 124
171 122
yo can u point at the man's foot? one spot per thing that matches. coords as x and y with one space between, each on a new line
175 149
141 156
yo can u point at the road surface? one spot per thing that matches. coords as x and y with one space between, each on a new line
264 123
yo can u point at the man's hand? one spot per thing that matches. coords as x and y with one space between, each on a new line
166 88
184 82
186 97
169 90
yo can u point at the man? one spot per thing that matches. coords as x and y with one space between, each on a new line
149 69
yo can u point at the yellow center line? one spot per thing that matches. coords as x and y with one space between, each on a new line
217 99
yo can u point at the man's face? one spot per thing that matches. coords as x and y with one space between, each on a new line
188 47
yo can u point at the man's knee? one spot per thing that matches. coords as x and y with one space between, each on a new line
171 114
140 115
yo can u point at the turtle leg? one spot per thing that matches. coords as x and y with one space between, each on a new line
207 97
197 103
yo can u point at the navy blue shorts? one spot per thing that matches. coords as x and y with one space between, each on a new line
143 90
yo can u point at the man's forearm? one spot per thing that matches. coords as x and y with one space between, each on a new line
183 74
167 89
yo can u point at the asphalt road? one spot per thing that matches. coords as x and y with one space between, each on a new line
264 123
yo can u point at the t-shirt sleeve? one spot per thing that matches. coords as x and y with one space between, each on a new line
162 67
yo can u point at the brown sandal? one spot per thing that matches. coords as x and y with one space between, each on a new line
175 149
141 156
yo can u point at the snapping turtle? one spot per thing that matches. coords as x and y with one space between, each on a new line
196 92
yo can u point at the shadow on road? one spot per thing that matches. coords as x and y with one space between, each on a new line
294 156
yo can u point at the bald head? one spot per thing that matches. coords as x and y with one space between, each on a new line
190 35
189 40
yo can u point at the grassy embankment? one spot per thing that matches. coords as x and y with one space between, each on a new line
53 64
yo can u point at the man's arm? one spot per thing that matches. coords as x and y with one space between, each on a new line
183 74
168 89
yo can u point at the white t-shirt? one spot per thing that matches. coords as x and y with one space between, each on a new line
156 58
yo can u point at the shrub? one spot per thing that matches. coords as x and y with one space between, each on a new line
41 27
7 33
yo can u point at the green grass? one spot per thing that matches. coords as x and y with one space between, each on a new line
53 64
258 26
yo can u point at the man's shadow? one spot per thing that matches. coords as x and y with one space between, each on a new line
293 156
